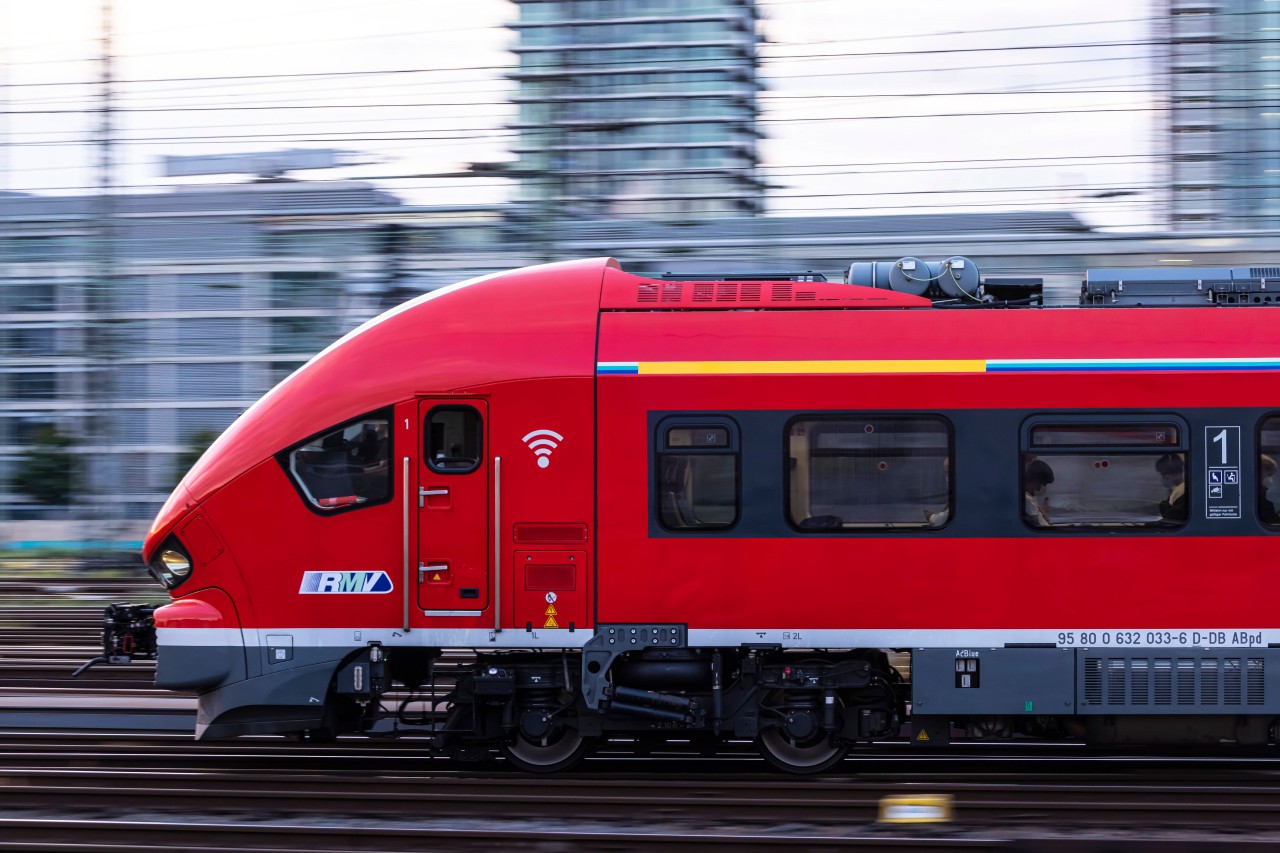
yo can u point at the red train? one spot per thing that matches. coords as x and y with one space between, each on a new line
718 508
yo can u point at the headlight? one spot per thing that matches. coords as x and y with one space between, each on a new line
176 562
171 565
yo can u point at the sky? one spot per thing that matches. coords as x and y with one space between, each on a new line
915 106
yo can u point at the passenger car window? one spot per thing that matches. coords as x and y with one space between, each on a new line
346 467
1105 475
454 439
1268 457
881 471
697 468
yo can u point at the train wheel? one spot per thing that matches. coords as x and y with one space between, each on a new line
801 756
797 743
559 749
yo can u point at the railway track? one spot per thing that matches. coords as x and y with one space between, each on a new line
266 795
151 792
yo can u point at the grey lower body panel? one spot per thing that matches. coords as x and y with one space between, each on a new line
199 667
290 695
1079 681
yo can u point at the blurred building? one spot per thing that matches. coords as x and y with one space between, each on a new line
1223 139
144 336
644 108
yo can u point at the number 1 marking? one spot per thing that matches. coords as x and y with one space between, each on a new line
1222 436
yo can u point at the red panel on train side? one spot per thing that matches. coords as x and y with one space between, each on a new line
920 582
551 589
544 431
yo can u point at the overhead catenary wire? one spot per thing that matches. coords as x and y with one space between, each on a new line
781 109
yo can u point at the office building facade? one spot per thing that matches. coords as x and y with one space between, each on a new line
1222 146
142 337
637 108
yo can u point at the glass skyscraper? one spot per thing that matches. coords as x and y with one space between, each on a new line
638 108
1223 141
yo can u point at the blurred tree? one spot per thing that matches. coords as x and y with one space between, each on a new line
197 443
44 471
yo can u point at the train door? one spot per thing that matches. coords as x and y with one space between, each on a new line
454 537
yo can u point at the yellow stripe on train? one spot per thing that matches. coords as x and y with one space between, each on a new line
675 368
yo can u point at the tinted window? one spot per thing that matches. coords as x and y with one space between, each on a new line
1269 455
346 467
697 477
1105 475
453 437
869 472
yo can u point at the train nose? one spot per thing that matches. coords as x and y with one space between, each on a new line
200 642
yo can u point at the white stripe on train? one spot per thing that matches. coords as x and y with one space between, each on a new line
796 638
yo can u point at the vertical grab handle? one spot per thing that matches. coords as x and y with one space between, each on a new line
405 580
497 543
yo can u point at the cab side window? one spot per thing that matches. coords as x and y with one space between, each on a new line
1268 457
697 466
1129 474
454 439
346 467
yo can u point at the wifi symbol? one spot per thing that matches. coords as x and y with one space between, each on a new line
542 444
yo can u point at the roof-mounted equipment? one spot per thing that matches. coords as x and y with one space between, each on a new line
1188 286
955 281
743 276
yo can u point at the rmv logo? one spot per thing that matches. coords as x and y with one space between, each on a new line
345 582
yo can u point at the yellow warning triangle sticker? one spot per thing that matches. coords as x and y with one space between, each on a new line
551 622
551 611
436 576
924 735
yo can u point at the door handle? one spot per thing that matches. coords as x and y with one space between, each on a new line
405 584
423 492
423 568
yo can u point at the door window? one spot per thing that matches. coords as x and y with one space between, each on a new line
453 439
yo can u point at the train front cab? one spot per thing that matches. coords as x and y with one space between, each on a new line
342 533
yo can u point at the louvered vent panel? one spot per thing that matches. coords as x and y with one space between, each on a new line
1231 682
1209 676
1164 681
1115 681
647 293
1186 681
1139 683
704 292
1256 684
1264 272
672 291
806 296
1093 681
782 291
750 293
726 292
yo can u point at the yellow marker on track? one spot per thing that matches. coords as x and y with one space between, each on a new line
920 808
